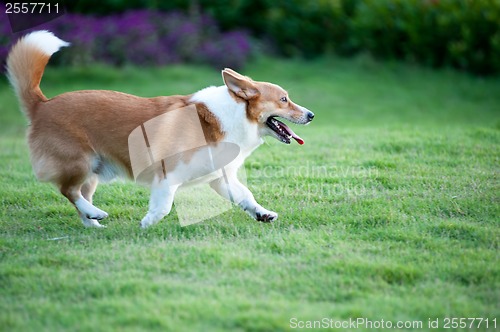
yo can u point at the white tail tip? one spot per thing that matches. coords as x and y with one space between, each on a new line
45 41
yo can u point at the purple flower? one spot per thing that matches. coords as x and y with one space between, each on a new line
231 49
141 37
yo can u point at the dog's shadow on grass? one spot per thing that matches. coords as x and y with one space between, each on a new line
61 224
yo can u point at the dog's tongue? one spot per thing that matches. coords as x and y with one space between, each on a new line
294 135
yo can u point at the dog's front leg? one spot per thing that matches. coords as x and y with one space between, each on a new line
233 190
160 203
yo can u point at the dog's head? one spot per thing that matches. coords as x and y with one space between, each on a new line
265 103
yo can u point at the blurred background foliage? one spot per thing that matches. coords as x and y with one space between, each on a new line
463 34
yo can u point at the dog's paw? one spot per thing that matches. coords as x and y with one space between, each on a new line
88 210
144 224
154 216
97 215
87 222
266 216
147 221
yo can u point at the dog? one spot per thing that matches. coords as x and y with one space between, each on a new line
79 138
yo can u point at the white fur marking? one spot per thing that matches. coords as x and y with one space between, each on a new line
91 223
232 117
89 210
160 202
45 41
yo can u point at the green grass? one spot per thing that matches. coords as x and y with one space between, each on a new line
389 211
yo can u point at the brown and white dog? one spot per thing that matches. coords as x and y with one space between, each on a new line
78 138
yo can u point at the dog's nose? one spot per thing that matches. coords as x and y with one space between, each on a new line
310 116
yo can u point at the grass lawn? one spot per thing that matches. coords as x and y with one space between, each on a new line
389 211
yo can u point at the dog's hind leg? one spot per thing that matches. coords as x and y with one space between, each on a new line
160 203
89 187
76 185
89 214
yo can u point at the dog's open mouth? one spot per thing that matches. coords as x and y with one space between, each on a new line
282 131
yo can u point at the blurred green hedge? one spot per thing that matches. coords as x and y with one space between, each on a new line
459 33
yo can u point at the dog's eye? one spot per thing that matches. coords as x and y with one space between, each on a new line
283 99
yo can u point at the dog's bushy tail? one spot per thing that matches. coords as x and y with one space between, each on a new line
25 65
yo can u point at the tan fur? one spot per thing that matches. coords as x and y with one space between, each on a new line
68 130
76 124
263 98
209 124
24 57
269 104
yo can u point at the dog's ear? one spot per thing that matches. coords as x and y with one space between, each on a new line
236 74
240 85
